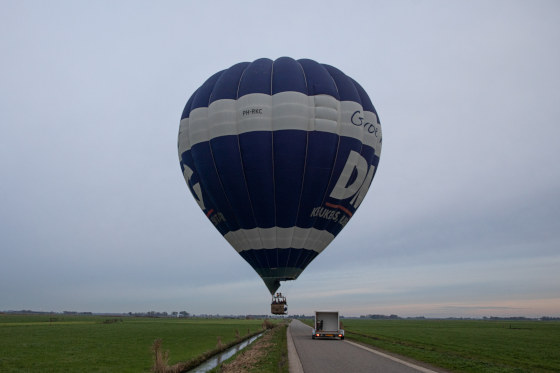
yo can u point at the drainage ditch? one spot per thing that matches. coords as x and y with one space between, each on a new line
216 360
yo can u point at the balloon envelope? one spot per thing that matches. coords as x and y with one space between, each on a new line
279 155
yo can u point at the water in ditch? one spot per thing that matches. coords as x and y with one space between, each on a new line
216 360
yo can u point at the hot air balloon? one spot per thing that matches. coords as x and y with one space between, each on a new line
279 155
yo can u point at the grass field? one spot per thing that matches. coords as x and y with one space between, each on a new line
104 344
466 345
97 344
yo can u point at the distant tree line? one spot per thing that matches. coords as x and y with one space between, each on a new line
159 314
521 318
380 317
302 316
490 318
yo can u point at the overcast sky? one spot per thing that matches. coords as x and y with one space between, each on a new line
463 217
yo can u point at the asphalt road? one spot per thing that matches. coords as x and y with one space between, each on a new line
319 355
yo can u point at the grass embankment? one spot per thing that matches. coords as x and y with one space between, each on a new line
466 345
103 344
269 354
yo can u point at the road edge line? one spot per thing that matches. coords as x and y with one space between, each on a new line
294 363
414 366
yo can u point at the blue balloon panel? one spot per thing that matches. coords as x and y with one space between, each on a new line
279 155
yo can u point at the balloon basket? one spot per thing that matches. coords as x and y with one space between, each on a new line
279 306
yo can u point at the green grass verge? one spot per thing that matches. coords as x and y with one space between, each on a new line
84 343
275 359
466 345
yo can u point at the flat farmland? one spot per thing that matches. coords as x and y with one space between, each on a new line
107 344
466 345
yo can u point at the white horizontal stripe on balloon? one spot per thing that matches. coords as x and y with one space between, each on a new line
279 238
222 117
184 143
291 111
198 126
282 111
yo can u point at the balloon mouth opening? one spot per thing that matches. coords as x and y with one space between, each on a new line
274 283
273 276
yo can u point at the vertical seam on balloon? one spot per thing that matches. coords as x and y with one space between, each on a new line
202 188
369 161
219 178
339 128
363 133
309 254
304 169
243 166
223 189
190 149
328 224
274 172
284 266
